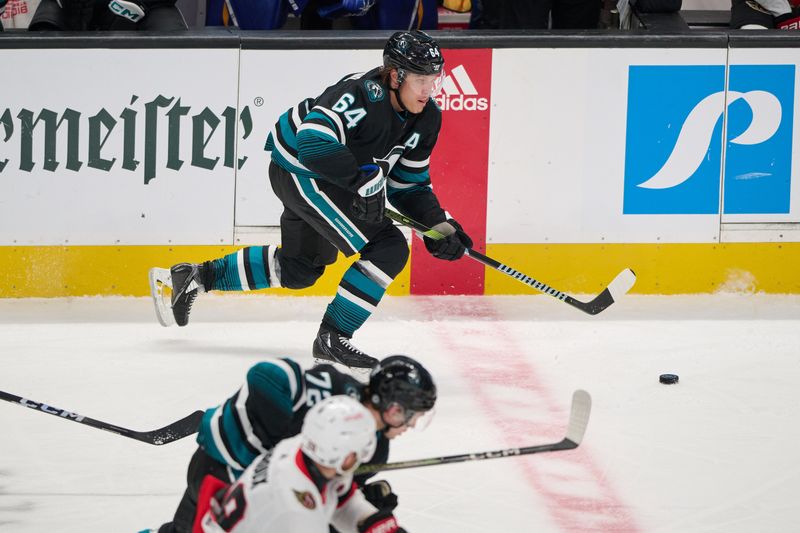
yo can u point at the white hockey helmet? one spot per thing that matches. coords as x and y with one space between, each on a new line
336 427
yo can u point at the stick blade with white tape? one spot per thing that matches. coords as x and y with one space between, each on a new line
579 417
621 284
618 287
576 428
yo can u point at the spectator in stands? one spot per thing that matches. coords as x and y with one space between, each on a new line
18 14
83 15
765 14
536 14
400 15
272 14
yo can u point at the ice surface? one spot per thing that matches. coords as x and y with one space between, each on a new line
717 452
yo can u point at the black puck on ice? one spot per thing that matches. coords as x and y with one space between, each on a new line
668 379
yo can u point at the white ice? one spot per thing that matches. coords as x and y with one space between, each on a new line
716 452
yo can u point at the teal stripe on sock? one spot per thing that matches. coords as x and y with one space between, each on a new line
345 315
256 257
363 283
226 274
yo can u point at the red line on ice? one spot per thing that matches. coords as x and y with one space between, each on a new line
578 496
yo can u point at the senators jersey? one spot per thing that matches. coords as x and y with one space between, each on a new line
269 407
353 123
282 492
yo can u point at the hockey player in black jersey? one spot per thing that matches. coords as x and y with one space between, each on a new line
271 404
335 160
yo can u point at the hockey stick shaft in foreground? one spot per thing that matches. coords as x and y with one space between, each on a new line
177 430
578 420
618 286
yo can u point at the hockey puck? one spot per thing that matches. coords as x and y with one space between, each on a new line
668 379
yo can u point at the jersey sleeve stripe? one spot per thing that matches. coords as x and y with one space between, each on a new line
320 119
335 119
397 185
219 440
414 164
291 375
311 145
322 131
287 130
410 177
286 157
299 113
244 420
233 433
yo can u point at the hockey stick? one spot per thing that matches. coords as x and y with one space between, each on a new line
618 286
169 433
578 420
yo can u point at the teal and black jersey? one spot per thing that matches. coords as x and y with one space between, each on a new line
269 407
353 123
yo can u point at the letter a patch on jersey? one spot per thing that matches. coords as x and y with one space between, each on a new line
306 499
412 141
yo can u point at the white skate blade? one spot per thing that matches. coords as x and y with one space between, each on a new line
160 278
360 374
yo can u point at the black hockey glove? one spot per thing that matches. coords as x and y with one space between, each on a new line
379 494
454 244
380 522
78 14
370 200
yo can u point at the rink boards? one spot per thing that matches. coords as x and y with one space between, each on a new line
567 163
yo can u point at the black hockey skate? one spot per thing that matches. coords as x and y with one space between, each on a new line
187 283
332 346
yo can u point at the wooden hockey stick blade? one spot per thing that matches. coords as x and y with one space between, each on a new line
184 427
576 428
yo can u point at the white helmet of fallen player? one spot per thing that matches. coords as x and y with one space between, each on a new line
335 429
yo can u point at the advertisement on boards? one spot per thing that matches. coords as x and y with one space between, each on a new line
459 167
628 146
674 150
102 147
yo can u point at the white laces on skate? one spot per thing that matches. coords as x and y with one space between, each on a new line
347 344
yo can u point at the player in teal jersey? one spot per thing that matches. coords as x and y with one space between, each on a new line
335 160
271 405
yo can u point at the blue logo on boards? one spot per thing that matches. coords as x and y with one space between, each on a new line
673 147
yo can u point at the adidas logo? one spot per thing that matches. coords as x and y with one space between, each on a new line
459 93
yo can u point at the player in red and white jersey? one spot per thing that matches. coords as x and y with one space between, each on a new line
305 484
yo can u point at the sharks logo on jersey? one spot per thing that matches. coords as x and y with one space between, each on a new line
374 91
674 139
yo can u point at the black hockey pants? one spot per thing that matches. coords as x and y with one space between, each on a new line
200 466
